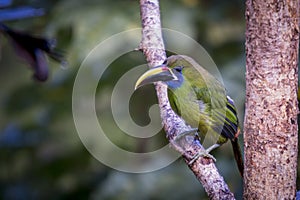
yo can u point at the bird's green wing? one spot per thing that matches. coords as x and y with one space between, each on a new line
219 106
209 92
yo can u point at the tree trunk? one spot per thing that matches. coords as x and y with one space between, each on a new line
270 128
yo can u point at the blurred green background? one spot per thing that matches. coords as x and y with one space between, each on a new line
41 155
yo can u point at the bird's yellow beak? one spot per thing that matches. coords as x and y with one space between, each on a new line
160 73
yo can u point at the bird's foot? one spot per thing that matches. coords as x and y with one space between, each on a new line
201 153
205 153
192 132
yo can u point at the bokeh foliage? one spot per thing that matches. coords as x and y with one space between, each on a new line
41 154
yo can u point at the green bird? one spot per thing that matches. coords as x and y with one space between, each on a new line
200 99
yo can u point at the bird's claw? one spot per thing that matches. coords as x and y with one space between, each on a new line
205 153
202 153
186 135
188 132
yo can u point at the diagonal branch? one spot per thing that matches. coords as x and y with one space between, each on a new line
153 48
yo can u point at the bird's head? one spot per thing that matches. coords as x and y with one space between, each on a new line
169 73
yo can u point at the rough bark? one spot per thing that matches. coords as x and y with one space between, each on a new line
270 126
153 48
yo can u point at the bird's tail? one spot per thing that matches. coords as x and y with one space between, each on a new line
238 155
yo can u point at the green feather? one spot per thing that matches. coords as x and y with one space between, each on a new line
200 99
202 102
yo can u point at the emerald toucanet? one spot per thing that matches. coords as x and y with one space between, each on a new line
200 99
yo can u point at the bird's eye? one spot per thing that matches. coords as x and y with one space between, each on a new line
178 68
165 62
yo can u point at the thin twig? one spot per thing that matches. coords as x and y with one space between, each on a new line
153 48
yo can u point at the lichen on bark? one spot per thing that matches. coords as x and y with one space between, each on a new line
270 126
